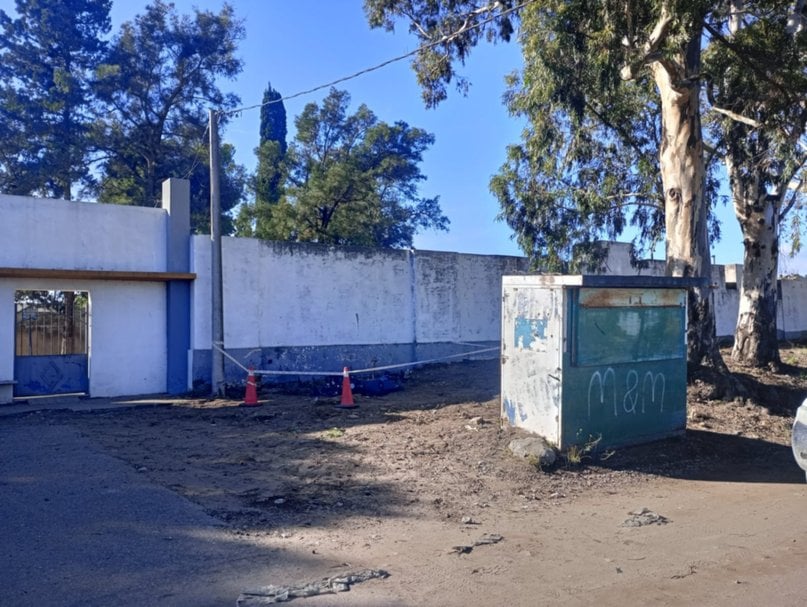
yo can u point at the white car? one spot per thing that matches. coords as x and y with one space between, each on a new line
799 436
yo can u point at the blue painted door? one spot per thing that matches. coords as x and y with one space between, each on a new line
51 374
51 349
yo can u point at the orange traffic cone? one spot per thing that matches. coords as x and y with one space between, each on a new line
251 394
346 401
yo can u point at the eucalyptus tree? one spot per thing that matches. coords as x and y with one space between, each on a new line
48 54
588 163
650 42
756 83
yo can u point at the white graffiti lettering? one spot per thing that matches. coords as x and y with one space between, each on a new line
602 380
631 392
602 391
654 380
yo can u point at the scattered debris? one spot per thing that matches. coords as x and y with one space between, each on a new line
488 538
692 571
640 518
267 595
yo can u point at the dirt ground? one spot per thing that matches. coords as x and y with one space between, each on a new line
419 483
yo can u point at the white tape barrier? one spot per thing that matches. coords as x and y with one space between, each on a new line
424 362
355 371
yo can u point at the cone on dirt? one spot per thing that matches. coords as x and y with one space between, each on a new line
346 402
251 394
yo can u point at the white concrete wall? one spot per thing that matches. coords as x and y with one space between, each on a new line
618 263
128 319
59 234
127 332
458 296
291 294
275 294
792 316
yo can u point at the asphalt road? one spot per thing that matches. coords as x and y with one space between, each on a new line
78 527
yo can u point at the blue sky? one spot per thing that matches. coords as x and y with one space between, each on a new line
299 45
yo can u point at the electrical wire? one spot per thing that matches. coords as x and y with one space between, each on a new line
444 39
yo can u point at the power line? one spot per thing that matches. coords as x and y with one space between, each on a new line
444 39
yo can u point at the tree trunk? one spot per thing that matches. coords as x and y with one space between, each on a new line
755 340
686 213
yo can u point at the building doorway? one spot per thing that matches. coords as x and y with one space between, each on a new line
51 337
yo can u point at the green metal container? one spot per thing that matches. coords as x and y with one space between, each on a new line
595 360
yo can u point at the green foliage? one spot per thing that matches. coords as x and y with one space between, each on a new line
756 83
334 432
159 77
452 26
47 55
233 180
273 119
352 180
253 218
577 453
588 163
272 148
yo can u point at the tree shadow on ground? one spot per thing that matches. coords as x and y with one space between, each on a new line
780 392
702 455
295 460
253 468
426 387
86 529
779 400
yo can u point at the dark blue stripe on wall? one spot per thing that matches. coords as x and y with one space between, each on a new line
178 328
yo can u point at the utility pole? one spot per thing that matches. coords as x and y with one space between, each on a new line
217 297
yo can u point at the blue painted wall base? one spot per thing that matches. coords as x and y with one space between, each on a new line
326 358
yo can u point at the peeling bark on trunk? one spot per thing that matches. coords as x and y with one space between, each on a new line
755 340
683 176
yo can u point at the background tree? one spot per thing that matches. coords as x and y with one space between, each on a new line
353 179
254 218
233 184
47 57
156 83
654 42
757 86
272 147
588 163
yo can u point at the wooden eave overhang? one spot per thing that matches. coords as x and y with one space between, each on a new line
120 275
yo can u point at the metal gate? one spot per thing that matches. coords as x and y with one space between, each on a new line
51 343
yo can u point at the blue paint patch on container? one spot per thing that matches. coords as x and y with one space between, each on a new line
528 330
509 411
